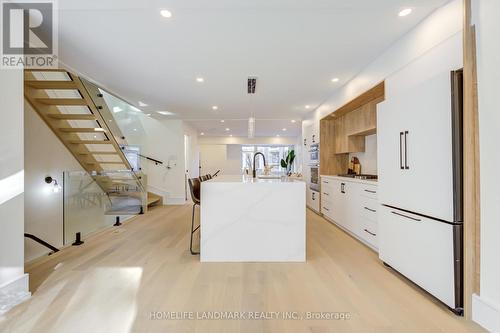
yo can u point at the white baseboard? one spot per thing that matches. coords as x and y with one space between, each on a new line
176 201
14 293
167 198
485 314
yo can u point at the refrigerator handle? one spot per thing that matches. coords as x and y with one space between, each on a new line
401 150
407 167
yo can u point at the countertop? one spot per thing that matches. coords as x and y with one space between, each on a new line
250 179
353 180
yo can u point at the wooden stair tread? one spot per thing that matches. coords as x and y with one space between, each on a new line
69 116
82 130
45 84
90 142
153 199
62 101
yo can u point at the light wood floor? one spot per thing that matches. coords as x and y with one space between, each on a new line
116 279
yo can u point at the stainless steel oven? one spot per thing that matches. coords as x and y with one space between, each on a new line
314 154
314 181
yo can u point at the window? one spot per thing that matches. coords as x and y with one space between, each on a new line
273 155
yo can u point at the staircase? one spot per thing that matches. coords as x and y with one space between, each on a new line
154 200
70 106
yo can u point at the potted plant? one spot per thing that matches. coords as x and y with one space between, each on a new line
287 162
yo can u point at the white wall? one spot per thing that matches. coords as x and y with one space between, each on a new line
368 159
439 26
13 281
226 158
486 308
193 158
162 140
45 155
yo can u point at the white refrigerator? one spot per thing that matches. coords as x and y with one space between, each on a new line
420 174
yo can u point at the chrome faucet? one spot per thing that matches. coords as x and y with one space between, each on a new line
254 156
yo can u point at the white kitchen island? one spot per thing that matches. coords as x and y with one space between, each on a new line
253 220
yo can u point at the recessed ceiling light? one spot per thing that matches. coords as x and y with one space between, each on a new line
405 12
166 13
110 121
165 113
200 79
215 107
135 129
202 133
230 135
148 114
98 129
308 107
227 129
117 109
222 120
294 121
277 135
284 129
142 104
335 79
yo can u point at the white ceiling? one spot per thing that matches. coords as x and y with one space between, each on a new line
294 47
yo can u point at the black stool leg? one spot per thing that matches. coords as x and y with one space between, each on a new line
193 230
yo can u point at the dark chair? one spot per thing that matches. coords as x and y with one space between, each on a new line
209 177
195 187
203 178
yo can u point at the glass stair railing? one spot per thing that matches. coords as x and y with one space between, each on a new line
95 201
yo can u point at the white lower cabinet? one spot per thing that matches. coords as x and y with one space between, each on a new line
352 205
313 200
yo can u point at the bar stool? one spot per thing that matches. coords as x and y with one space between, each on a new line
194 186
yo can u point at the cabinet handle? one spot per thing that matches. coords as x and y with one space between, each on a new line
370 191
324 181
305 142
342 188
326 209
313 137
406 216
314 196
326 193
371 210
401 150
406 150
371 233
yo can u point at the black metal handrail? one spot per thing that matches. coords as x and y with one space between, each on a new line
215 174
41 241
151 159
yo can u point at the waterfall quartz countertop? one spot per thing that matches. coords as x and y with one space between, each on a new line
249 179
253 220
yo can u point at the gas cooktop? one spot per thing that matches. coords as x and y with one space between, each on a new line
360 176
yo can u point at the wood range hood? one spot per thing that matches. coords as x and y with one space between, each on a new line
344 130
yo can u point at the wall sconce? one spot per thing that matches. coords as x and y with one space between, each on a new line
50 180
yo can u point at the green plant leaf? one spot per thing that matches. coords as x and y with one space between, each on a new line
283 163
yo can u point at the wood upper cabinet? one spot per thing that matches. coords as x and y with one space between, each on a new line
344 131
351 129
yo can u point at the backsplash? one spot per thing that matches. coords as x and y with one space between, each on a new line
368 159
